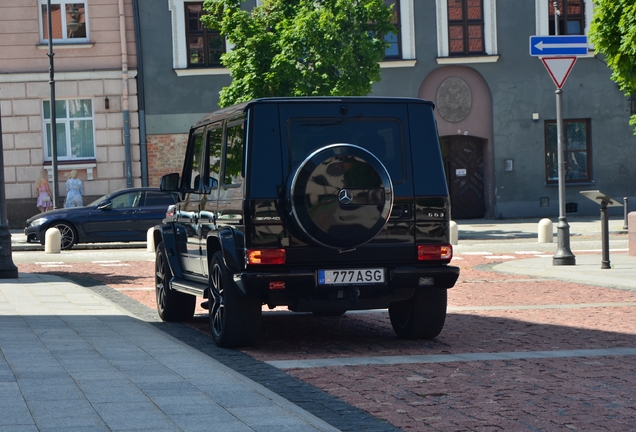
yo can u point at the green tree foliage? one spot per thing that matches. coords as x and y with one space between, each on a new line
613 34
300 47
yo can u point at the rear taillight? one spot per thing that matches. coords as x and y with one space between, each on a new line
434 252
266 256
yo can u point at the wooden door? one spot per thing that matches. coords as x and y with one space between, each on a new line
465 166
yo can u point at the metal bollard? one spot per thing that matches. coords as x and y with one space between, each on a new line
626 210
150 241
52 241
545 231
454 232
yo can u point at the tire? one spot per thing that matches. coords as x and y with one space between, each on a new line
173 306
68 234
235 318
340 197
420 317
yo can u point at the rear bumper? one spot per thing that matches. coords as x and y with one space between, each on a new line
294 288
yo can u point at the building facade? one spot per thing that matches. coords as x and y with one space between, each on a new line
95 98
495 104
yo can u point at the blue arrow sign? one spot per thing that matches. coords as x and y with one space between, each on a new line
567 45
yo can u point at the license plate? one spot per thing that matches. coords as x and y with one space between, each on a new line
351 276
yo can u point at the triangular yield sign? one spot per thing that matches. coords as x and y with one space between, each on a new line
559 68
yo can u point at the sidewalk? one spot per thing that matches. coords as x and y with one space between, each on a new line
507 237
72 360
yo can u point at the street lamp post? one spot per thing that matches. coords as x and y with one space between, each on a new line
53 116
8 270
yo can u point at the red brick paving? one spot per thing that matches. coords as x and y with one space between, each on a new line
593 393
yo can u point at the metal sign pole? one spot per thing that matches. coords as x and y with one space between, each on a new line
563 255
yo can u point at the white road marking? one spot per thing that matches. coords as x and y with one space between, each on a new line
447 358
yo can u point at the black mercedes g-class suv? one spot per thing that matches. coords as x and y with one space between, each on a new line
322 204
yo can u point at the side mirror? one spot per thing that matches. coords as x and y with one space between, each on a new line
169 182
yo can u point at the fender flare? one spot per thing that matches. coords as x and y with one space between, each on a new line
167 235
232 245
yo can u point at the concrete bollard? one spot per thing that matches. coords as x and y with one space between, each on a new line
631 233
52 241
545 231
454 232
150 241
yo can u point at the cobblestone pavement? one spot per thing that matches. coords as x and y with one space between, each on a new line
517 352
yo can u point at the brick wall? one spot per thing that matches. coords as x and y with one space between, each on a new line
165 155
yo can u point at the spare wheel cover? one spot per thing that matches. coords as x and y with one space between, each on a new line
341 196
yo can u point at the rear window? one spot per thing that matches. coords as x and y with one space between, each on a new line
381 136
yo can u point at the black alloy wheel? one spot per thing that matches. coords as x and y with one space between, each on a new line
234 317
172 305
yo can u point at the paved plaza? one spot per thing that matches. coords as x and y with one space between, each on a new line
527 346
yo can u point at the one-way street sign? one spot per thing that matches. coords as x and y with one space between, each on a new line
552 46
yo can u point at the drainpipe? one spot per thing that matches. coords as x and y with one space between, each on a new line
143 147
124 93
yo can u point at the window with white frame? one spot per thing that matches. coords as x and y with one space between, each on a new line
195 50
402 43
570 17
394 50
74 129
466 30
576 16
69 21
204 46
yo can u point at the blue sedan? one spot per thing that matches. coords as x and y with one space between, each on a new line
121 216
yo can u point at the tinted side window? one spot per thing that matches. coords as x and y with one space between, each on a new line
215 140
192 166
158 198
233 171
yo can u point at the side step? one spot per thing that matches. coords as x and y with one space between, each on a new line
187 287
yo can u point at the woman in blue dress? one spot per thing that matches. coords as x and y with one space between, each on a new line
74 191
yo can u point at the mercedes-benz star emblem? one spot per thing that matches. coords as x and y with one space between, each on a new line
345 196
